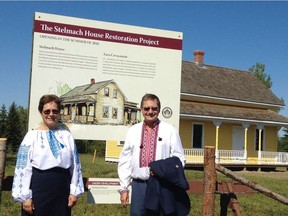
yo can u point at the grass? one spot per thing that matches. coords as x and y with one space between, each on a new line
251 204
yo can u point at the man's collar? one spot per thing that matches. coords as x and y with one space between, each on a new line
154 124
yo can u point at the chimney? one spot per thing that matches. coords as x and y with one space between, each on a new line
92 81
199 57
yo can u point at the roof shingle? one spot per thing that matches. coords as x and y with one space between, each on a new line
226 83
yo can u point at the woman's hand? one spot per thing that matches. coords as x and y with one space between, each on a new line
72 200
28 206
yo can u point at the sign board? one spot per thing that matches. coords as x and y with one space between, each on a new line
104 191
101 70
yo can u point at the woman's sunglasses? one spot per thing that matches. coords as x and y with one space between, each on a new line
48 111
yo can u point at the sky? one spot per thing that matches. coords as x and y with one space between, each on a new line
233 34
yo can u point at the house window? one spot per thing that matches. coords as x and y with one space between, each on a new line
121 143
106 91
106 112
114 113
197 136
257 140
115 93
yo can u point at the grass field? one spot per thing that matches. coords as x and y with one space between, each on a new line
250 204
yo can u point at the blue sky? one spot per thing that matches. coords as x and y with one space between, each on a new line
232 34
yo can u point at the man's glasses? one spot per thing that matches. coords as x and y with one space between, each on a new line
148 108
48 111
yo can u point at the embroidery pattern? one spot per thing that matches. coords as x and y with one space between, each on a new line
151 151
42 144
54 143
76 155
22 156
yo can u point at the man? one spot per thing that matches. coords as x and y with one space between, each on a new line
145 142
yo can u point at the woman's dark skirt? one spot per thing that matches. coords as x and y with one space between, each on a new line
50 192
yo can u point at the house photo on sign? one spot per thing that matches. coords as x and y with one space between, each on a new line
100 71
92 103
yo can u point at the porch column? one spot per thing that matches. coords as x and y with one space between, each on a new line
94 114
245 126
217 123
260 128
87 111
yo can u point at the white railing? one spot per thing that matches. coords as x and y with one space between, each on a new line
231 156
273 157
196 156
222 156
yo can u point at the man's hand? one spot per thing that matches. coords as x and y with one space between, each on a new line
28 206
124 197
72 200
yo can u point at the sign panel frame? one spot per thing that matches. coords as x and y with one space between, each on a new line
104 191
100 70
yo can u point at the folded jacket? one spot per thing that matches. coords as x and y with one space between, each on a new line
166 189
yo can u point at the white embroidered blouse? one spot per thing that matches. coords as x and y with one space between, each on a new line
46 149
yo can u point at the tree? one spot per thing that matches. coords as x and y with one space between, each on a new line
259 71
285 132
283 141
3 122
14 133
23 116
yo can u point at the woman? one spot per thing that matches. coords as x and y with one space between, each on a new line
48 177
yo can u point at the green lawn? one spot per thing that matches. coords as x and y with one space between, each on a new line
251 205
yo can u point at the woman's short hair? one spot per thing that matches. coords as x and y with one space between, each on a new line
47 99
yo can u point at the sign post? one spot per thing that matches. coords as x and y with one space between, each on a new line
2 162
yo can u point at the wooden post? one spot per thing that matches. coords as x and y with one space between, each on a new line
208 207
94 156
2 162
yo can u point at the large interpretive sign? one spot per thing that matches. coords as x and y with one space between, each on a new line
100 70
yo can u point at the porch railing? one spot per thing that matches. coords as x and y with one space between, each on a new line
273 157
196 156
231 156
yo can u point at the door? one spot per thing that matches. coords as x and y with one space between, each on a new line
238 138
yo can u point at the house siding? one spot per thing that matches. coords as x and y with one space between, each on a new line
209 134
225 136
113 150
110 102
185 133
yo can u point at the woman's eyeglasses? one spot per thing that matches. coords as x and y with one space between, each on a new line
148 108
48 111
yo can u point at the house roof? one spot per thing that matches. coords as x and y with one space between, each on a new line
80 92
230 113
220 82
227 84
87 89
83 99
